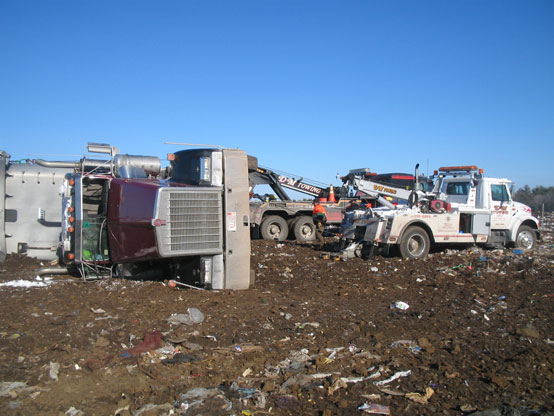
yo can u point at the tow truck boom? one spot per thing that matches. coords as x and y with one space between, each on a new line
363 181
279 180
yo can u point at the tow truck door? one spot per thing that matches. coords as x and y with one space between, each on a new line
500 206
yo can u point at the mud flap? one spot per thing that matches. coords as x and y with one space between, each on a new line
367 251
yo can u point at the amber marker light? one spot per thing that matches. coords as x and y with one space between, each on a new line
71 219
70 256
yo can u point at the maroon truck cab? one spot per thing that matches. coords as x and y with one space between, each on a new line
119 218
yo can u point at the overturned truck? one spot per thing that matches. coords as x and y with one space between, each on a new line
124 215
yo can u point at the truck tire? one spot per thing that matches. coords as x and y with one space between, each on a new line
415 243
525 238
274 227
304 229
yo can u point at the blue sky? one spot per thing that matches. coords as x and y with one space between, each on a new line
310 87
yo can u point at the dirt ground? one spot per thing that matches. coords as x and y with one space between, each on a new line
312 336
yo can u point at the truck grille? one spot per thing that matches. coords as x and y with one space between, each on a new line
194 221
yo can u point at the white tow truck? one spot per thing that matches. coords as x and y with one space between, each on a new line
464 207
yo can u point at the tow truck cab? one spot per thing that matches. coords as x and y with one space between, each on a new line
485 205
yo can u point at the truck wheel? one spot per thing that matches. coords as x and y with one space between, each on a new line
525 237
304 229
415 243
274 228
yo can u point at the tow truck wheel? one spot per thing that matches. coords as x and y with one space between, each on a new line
415 243
274 228
525 238
304 229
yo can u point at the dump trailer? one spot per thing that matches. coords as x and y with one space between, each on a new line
30 208
124 216
464 207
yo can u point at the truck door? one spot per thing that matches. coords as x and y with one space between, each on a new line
500 206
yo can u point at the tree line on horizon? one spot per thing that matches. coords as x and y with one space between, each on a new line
536 198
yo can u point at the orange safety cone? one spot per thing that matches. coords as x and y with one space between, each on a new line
332 194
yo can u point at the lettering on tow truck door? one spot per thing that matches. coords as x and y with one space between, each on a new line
501 204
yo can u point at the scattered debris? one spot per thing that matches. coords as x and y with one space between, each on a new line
152 341
194 316
6 387
375 409
400 305
74 412
21 283
393 377
421 398
53 370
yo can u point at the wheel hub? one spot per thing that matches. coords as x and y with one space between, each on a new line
275 230
415 245
306 230
525 240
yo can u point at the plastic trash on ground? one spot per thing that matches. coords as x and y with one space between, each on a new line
194 316
400 305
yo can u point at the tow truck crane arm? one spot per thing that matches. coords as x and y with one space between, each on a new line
279 180
363 181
